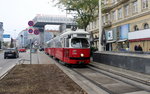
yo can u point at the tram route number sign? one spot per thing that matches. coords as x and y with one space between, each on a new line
30 23
36 31
30 30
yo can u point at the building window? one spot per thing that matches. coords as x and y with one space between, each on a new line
146 26
120 13
113 15
103 19
107 16
144 4
127 10
136 28
135 6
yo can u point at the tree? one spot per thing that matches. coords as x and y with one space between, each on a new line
5 44
11 43
87 10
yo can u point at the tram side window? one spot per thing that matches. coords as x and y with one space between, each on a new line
49 44
58 43
67 42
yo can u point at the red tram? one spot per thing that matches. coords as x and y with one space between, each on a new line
71 47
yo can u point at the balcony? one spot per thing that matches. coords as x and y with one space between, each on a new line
107 24
109 6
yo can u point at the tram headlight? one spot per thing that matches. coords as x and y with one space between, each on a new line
88 36
82 55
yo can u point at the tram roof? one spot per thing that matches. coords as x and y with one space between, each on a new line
79 31
69 32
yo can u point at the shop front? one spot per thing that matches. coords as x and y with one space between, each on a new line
141 38
122 42
110 39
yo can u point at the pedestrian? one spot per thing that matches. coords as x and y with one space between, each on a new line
135 48
140 48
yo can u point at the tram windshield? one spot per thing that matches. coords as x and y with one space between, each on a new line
79 43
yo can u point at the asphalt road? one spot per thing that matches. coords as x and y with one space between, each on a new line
7 64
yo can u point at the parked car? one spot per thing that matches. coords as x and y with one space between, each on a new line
11 52
22 50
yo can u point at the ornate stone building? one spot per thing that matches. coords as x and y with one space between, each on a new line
126 24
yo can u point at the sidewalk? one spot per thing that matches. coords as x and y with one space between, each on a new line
43 58
127 54
37 58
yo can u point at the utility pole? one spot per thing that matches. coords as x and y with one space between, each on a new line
100 26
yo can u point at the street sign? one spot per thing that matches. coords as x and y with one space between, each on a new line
30 23
36 31
6 35
30 30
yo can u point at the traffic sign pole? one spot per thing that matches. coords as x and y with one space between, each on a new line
30 23
30 52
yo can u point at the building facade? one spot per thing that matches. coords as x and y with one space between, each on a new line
126 24
93 29
1 34
22 40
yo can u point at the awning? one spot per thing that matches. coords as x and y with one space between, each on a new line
122 40
111 41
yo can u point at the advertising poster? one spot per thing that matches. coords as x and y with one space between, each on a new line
110 35
124 32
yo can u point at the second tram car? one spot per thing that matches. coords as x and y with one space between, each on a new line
71 47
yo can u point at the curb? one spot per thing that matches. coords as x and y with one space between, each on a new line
86 85
3 75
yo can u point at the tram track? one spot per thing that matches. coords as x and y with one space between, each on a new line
110 83
136 86
100 86
121 77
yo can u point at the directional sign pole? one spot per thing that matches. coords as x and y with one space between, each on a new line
30 23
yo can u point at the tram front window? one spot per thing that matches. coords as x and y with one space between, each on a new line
79 43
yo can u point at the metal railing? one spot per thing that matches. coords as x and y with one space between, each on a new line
21 61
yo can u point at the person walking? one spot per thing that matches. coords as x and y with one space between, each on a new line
140 48
135 48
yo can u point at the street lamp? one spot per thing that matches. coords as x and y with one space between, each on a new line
100 26
21 41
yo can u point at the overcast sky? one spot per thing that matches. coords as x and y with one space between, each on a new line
15 14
